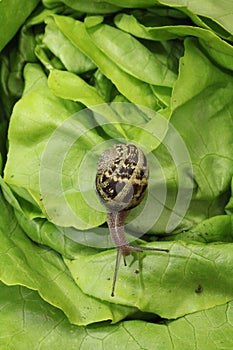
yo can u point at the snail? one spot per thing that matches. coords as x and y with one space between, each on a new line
121 183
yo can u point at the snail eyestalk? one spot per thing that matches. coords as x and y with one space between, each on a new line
121 183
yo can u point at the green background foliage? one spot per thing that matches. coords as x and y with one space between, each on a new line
166 58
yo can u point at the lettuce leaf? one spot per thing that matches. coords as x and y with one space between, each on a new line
78 77
12 16
26 320
41 269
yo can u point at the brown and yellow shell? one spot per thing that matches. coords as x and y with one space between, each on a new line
122 177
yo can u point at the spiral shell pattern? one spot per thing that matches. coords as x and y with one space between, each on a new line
122 177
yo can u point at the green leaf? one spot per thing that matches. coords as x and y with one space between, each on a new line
133 89
218 49
218 12
27 321
131 3
13 59
12 16
130 55
90 7
54 111
41 269
23 323
72 58
104 86
62 240
167 282
70 86
216 229
202 107
118 120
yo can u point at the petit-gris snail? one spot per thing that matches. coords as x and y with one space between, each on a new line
121 183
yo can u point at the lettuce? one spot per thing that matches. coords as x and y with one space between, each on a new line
12 16
28 321
79 76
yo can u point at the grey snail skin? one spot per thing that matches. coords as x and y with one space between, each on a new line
121 183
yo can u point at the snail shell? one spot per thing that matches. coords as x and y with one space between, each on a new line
122 177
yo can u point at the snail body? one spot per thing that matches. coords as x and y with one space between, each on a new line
121 183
